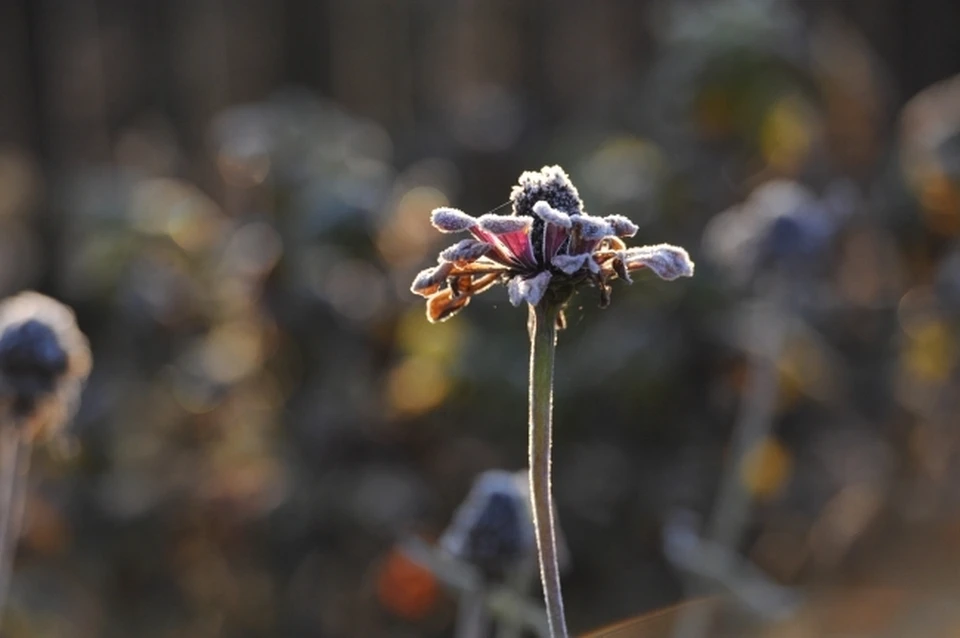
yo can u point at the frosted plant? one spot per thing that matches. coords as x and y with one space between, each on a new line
44 361
543 251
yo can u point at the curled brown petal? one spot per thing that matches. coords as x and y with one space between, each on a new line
444 305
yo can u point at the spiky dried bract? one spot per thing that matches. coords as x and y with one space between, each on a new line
44 361
548 243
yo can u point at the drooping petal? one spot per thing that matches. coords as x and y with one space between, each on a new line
529 289
428 282
570 264
472 284
666 261
451 220
511 235
555 229
622 226
444 305
465 251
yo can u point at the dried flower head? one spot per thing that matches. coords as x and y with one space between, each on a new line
44 361
547 245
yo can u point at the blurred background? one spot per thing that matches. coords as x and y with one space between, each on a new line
234 196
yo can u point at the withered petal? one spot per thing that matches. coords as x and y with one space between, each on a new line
451 220
666 261
430 280
465 251
444 305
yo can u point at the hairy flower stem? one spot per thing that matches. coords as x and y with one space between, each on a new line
15 458
543 339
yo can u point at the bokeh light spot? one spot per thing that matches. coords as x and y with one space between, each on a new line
417 385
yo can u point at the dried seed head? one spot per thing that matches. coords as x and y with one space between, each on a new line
44 361
550 184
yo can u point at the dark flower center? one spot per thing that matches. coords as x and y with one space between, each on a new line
495 540
31 360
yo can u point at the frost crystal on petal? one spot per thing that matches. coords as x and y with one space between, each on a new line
592 228
451 220
428 281
666 261
530 289
570 264
503 224
622 226
551 215
465 251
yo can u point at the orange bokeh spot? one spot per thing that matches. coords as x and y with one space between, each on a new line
406 588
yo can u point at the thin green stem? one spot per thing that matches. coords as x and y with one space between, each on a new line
543 336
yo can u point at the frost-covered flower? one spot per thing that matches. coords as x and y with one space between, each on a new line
44 361
548 243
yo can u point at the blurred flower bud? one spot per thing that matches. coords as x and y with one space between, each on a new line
492 529
44 361
782 223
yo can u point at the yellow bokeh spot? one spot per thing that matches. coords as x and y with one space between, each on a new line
405 238
766 468
931 353
439 342
417 385
786 135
